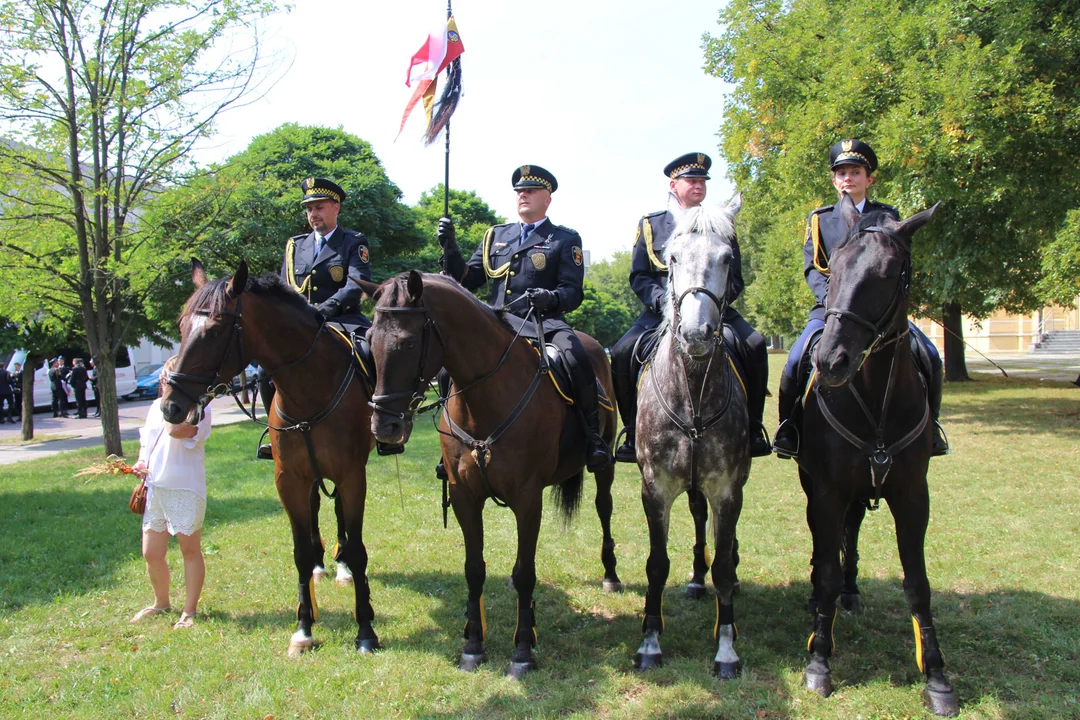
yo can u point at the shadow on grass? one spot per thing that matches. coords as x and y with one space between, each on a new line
1008 406
64 542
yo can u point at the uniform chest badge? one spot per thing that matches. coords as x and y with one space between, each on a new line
539 260
365 257
337 273
577 255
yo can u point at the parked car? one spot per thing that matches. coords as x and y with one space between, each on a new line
146 382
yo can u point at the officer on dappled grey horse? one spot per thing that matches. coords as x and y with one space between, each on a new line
540 264
686 176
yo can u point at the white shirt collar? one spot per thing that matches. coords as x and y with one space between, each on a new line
861 205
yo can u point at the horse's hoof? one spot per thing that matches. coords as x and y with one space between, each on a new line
695 591
819 682
469 663
300 645
944 704
644 661
518 670
612 586
851 602
367 646
726 670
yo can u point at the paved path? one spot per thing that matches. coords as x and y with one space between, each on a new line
1056 367
87 433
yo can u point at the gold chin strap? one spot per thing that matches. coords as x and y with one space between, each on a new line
498 272
290 265
815 235
646 226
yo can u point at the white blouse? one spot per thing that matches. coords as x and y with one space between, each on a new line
175 463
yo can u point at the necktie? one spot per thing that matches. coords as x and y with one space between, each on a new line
525 230
319 242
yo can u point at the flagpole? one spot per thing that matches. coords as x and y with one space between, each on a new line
446 175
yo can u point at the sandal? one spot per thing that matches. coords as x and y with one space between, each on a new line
148 611
186 620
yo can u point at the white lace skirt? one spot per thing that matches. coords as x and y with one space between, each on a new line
177 511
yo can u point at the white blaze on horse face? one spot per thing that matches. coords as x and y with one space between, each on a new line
702 261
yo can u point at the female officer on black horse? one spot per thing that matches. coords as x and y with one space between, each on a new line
537 263
852 164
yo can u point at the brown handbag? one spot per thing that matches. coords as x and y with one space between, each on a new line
137 502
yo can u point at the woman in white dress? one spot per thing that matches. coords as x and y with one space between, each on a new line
171 458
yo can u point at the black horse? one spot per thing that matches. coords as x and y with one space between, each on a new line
868 435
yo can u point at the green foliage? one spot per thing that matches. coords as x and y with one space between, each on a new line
249 206
472 217
614 277
1060 283
976 106
600 314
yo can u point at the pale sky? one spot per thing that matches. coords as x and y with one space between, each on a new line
601 93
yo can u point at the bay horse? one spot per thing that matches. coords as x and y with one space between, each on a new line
320 421
425 322
693 425
867 435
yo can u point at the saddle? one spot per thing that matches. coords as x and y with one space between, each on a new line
563 380
647 342
806 366
362 359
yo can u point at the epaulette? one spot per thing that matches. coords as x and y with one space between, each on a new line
823 208
570 230
301 236
658 213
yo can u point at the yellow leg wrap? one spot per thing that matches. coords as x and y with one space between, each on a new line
832 634
716 625
337 549
918 643
483 617
314 602
708 556
663 624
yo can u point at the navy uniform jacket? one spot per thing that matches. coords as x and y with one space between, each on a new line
7 386
327 276
78 377
550 258
825 228
650 281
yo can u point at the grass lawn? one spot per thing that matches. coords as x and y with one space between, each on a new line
1002 552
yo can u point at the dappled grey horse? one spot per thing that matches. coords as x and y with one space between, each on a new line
692 428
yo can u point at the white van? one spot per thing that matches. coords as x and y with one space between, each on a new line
125 375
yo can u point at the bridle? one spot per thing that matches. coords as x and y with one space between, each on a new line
879 455
417 393
881 329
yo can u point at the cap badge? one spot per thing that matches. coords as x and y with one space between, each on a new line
846 145
309 183
701 158
526 169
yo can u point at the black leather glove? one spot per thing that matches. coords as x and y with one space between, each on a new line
543 300
329 309
447 235
658 305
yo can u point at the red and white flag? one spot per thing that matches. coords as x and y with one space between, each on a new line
442 47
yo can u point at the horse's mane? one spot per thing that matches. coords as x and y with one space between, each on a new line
703 220
213 296
397 285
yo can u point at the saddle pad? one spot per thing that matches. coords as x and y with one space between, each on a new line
361 355
561 378
734 356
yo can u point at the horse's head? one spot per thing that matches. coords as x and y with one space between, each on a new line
869 280
699 257
210 347
407 350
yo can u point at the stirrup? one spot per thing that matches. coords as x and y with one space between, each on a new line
265 452
787 453
938 451
626 450
760 445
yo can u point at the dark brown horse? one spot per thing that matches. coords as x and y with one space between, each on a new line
320 422
867 434
503 431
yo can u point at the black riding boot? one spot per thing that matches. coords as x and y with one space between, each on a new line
933 397
626 397
786 439
755 405
597 452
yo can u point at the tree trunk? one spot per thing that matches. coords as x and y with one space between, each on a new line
27 381
955 365
107 404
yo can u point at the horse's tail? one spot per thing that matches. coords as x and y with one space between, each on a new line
567 495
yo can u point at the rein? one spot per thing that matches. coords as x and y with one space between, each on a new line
880 456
